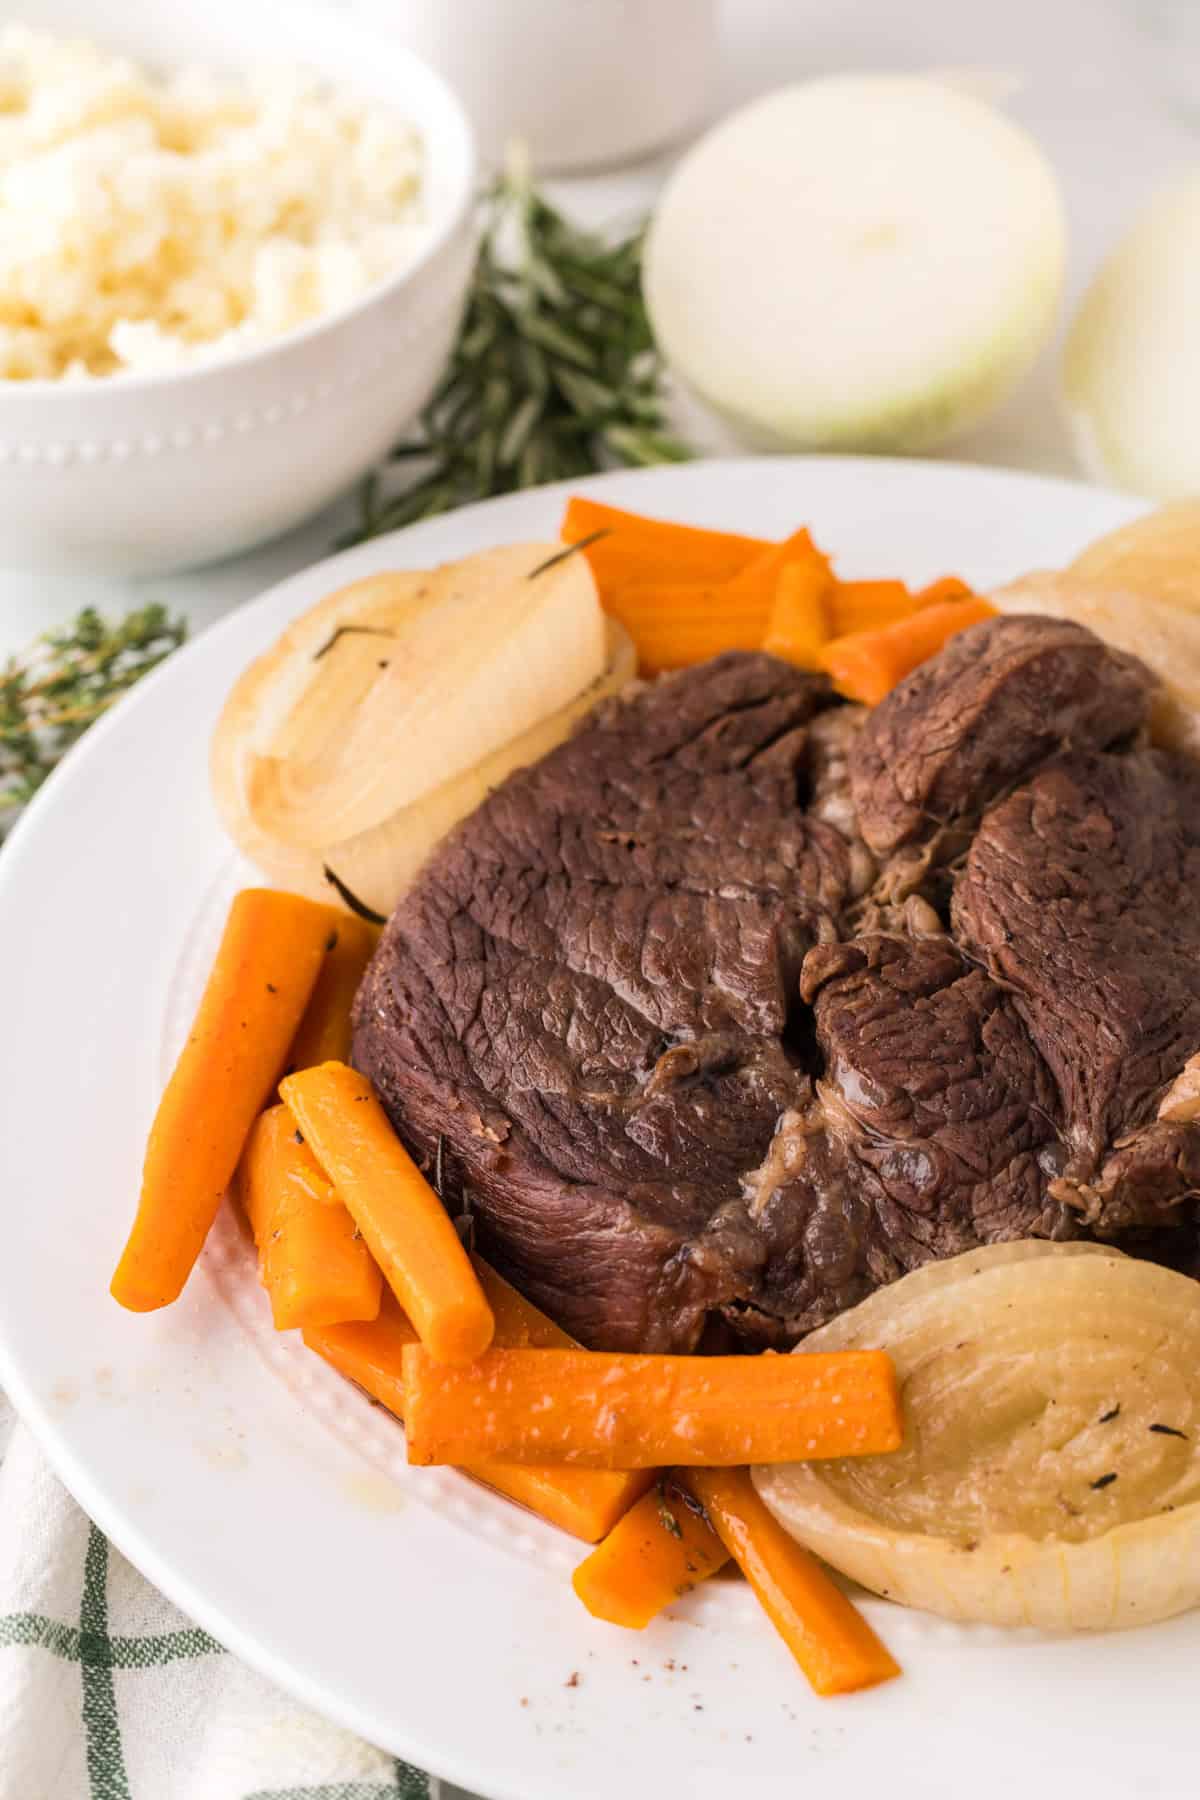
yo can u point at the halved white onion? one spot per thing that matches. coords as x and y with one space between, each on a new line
1130 363
858 262
1050 1474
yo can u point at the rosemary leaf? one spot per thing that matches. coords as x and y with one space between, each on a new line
519 430
559 341
642 447
554 374
50 695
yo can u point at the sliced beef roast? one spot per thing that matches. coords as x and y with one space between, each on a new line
933 1129
587 994
1080 895
999 699
698 1034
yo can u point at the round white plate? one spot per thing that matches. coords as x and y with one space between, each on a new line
266 1497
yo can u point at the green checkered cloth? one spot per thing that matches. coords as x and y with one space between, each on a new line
108 1693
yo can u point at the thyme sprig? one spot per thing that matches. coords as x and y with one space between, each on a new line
52 693
554 374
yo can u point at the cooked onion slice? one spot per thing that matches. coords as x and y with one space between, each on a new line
1051 1470
379 864
438 671
1156 557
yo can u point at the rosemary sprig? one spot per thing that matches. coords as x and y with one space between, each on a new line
50 695
554 374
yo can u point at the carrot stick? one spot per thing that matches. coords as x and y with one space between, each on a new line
662 1548
640 549
675 624
866 605
868 664
585 1502
324 1034
407 1229
798 622
314 1265
948 587
828 1636
614 1411
369 1352
520 1325
265 970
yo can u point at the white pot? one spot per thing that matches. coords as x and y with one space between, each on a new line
581 82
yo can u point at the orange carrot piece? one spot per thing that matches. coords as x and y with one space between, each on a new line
799 620
265 970
675 624
867 665
369 1352
948 587
825 1632
641 549
315 1267
867 605
324 1034
408 1230
585 1502
757 583
593 1410
660 1550
520 1325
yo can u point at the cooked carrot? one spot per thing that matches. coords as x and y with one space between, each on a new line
612 1411
757 584
408 1230
265 970
520 1325
798 622
324 1034
867 605
948 587
828 1636
312 1261
636 548
660 1550
868 664
674 624
585 1502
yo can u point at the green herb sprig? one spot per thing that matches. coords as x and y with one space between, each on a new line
554 374
50 695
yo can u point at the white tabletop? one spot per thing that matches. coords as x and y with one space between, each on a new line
1111 88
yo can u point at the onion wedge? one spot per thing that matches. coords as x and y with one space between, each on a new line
378 865
1156 557
1050 1474
432 679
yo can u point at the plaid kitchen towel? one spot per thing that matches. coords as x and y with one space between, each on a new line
108 1693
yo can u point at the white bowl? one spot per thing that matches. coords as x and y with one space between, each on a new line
148 472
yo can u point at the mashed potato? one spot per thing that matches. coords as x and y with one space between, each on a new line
148 223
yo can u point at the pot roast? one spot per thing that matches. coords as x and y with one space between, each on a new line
743 1002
